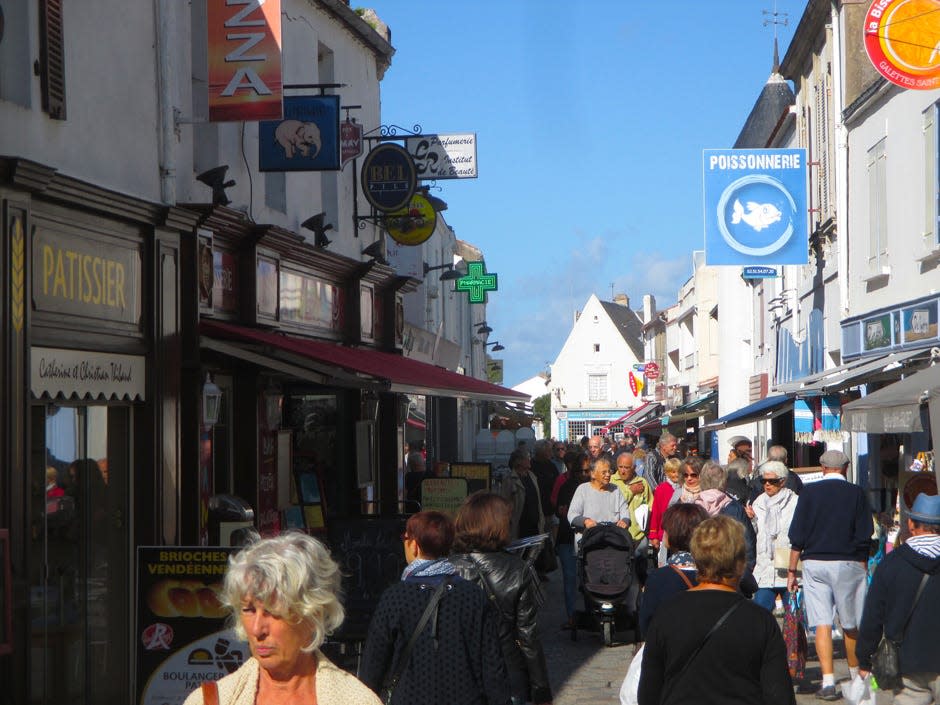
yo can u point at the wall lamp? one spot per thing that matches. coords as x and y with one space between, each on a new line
449 275
315 224
483 329
436 203
496 346
211 402
214 178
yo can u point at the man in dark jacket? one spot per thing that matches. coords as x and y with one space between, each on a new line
831 531
665 448
889 601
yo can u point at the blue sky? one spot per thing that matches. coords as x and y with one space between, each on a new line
591 118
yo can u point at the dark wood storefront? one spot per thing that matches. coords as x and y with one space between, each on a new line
90 435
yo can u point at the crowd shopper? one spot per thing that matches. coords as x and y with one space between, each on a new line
665 448
639 498
521 490
598 501
772 512
662 498
512 586
578 467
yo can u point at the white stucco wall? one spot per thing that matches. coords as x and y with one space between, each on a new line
899 119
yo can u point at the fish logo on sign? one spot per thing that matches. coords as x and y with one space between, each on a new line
758 216
765 223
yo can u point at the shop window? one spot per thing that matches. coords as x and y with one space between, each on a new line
313 420
78 561
15 52
877 205
577 429
597 387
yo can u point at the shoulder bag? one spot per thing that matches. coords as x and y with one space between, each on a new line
676 678
885 662
392 681
210 693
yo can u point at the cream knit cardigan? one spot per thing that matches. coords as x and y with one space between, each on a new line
334 686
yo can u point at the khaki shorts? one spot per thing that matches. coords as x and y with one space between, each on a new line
834 587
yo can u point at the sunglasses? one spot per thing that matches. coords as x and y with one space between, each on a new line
690 474
769 481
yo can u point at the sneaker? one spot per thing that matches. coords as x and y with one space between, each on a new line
828 692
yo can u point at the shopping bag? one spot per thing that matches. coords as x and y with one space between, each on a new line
858 691
794 633
631 683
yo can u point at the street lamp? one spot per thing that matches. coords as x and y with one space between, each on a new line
448 275
496 346
483 329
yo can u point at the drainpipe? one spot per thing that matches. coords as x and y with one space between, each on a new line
167 127
842 160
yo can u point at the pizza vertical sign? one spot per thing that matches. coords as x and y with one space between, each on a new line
244 59
755 206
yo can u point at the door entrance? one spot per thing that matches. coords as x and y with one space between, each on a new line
79 559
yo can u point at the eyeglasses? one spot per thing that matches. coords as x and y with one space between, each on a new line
771 481
690 474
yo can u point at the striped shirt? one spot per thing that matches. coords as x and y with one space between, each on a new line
926 545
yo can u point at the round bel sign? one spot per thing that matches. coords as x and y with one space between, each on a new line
388 177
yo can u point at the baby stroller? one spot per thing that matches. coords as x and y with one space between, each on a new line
606 576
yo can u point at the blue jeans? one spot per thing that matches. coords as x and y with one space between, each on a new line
767 597
569 574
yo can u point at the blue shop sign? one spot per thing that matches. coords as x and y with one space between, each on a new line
307 139
755 206
760 273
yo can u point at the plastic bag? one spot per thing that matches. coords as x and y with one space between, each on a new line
631 682
794 634
858 691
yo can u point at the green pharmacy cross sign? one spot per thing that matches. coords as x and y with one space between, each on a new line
476 282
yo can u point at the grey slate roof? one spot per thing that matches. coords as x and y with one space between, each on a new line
774 101
628 324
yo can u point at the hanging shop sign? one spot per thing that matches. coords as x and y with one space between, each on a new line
444 156
651 370
244 56
900 40
307 139
388 177
476 282
412 224
85 277
755 206
82 374
350 141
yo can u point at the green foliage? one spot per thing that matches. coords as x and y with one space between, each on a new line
542 407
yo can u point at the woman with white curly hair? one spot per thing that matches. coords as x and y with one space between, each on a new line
283 597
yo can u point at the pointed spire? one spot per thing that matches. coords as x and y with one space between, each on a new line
776 68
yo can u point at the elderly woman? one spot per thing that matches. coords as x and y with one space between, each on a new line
598 501
689 475
512 587
678 574
662 498
283 596
773 512
716 501
710 645
456 657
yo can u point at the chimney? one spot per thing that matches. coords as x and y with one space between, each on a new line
622 300
649 307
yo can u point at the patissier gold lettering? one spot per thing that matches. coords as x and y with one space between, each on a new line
75 276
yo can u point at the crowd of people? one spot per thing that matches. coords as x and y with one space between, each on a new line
716 549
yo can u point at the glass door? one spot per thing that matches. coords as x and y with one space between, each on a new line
79 562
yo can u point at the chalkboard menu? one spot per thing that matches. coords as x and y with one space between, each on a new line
371 557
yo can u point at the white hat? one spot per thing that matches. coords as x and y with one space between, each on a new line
737 440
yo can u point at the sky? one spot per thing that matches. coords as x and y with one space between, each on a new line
591 118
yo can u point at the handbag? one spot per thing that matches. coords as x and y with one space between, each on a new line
794 634
631 682
886 661
546 561
782 562
389 687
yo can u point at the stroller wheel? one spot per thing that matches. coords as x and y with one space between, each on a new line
608 628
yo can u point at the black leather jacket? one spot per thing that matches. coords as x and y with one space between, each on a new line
512 586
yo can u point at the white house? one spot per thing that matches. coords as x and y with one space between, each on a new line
590 383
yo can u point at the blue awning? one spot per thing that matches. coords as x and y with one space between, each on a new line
766 408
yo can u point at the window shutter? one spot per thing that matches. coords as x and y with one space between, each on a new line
52 51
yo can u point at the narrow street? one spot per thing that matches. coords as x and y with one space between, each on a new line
584 672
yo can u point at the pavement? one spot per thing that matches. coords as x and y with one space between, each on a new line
585 672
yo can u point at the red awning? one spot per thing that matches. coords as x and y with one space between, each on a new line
633 417
397 373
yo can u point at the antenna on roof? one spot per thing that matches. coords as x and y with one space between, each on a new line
776 18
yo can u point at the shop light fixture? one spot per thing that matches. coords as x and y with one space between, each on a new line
483 328
496 346
318 228
211 402
214 178
376 252
449 275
